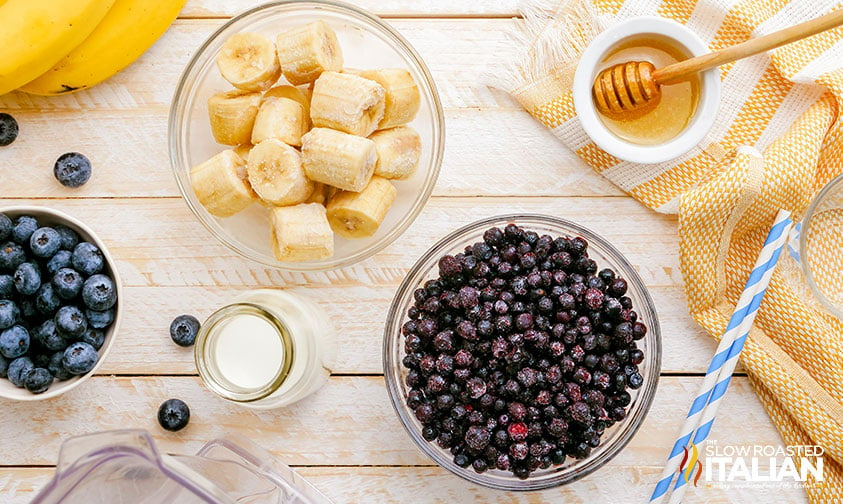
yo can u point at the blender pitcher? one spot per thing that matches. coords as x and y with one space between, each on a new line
124 466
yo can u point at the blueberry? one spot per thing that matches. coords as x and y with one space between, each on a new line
14 342
38 380
72 169
99 319
40 359
12 255
99 293
9 313
45 242
60 260
87 258
46 300
5 226
8 129
4 367
27 310
25 225
183 330
93 337
7 286
18 369
68 283
70 322
56 367
69 237
79 358
173 414
27 279
48 337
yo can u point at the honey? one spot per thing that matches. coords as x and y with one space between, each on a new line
671 113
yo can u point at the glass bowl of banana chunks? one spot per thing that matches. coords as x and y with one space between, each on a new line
306 135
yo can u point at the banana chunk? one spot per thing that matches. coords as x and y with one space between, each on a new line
307 51
232 115
348 103
249 62
276 174
319 194
399 150
359 214
242 150
279 118
338 159
301 233
402 94
293 93
220 184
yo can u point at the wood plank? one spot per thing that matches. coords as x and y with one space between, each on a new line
144 346
393 8
348 422
159 242
462 55
129 154
620 484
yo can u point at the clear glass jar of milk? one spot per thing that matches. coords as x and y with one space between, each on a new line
267 349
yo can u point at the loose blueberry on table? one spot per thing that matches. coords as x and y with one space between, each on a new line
520 353
55 303
173 415
183 330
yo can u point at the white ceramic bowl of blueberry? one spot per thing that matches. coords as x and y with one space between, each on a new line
537 427
102 336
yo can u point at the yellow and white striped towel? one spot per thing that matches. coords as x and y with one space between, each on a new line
776 142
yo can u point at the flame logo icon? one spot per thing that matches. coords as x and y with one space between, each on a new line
690 462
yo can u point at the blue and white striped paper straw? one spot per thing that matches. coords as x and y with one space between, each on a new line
725 359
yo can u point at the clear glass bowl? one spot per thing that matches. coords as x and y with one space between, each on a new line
614 438
821 247
367 42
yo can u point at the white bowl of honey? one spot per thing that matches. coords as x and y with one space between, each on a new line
673 125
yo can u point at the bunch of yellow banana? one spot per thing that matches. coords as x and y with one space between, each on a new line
50 47
322 157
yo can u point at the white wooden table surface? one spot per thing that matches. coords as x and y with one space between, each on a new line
346 438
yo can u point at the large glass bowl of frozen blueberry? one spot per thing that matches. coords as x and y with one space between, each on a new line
522 352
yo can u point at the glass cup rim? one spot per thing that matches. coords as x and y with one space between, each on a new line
176 115
631 423
834 184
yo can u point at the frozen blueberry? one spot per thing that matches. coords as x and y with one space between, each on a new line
38 380
87 258
99 319
5 227
68 283
7 286
27 278
99 292
70 321
69 237
79 358
56 367
12 255
60 260
48 337
25 225
173 414
14 342
8 129
183 330
45 242
46 299
72 169
4 367
18 369
9 313
93 337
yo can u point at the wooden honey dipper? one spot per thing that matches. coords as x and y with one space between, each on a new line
626 87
